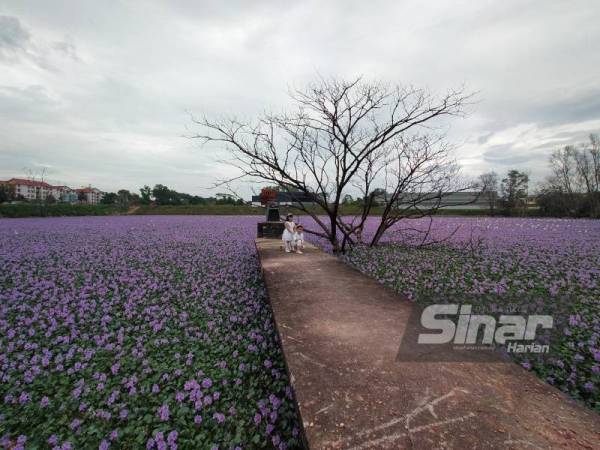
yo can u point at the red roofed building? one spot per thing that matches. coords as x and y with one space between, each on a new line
40 190
89 195
30 189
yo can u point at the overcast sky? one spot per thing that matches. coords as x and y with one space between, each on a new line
99 92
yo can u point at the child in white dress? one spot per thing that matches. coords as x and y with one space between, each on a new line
299 238
288 233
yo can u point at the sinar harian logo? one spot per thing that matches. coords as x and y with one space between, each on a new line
468 326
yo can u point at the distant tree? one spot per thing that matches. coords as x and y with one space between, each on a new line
573 188
554 203
379 196
81 197
347 200
134 198
489 189
122 199
562 164
50 199
7 193
162 195
110 198
146 195
587 166
225 199
197 200
514 191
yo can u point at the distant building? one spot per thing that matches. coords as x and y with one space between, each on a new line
89 195
453 200
65 194
288 199
30 189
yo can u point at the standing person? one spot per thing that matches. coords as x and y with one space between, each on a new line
288 232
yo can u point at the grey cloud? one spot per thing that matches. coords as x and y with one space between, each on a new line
13 37
30 103
507 156
17 44
12 34
103 90
67 48
565 107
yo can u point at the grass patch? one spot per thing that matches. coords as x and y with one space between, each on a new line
33 210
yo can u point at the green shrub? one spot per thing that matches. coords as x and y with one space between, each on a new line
35 210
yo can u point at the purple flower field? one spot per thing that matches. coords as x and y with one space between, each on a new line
138 332
556 260
155 332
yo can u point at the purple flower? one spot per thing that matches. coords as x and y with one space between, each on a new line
163 412
172 437
220 418
75 424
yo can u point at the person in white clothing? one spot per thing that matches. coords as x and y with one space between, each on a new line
288 233
299 239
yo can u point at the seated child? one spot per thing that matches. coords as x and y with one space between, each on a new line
299 238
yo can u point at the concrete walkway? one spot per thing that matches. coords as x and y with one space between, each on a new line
341 332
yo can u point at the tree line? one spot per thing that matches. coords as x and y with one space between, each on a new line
163 195
571 190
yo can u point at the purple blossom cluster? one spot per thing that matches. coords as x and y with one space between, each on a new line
558 260
133 332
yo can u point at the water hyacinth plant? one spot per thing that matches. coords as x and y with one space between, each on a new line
557 260
134 332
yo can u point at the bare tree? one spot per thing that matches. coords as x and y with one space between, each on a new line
574 184
489 188
38 180
587 166
348 136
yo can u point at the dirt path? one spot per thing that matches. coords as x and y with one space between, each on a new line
341 333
